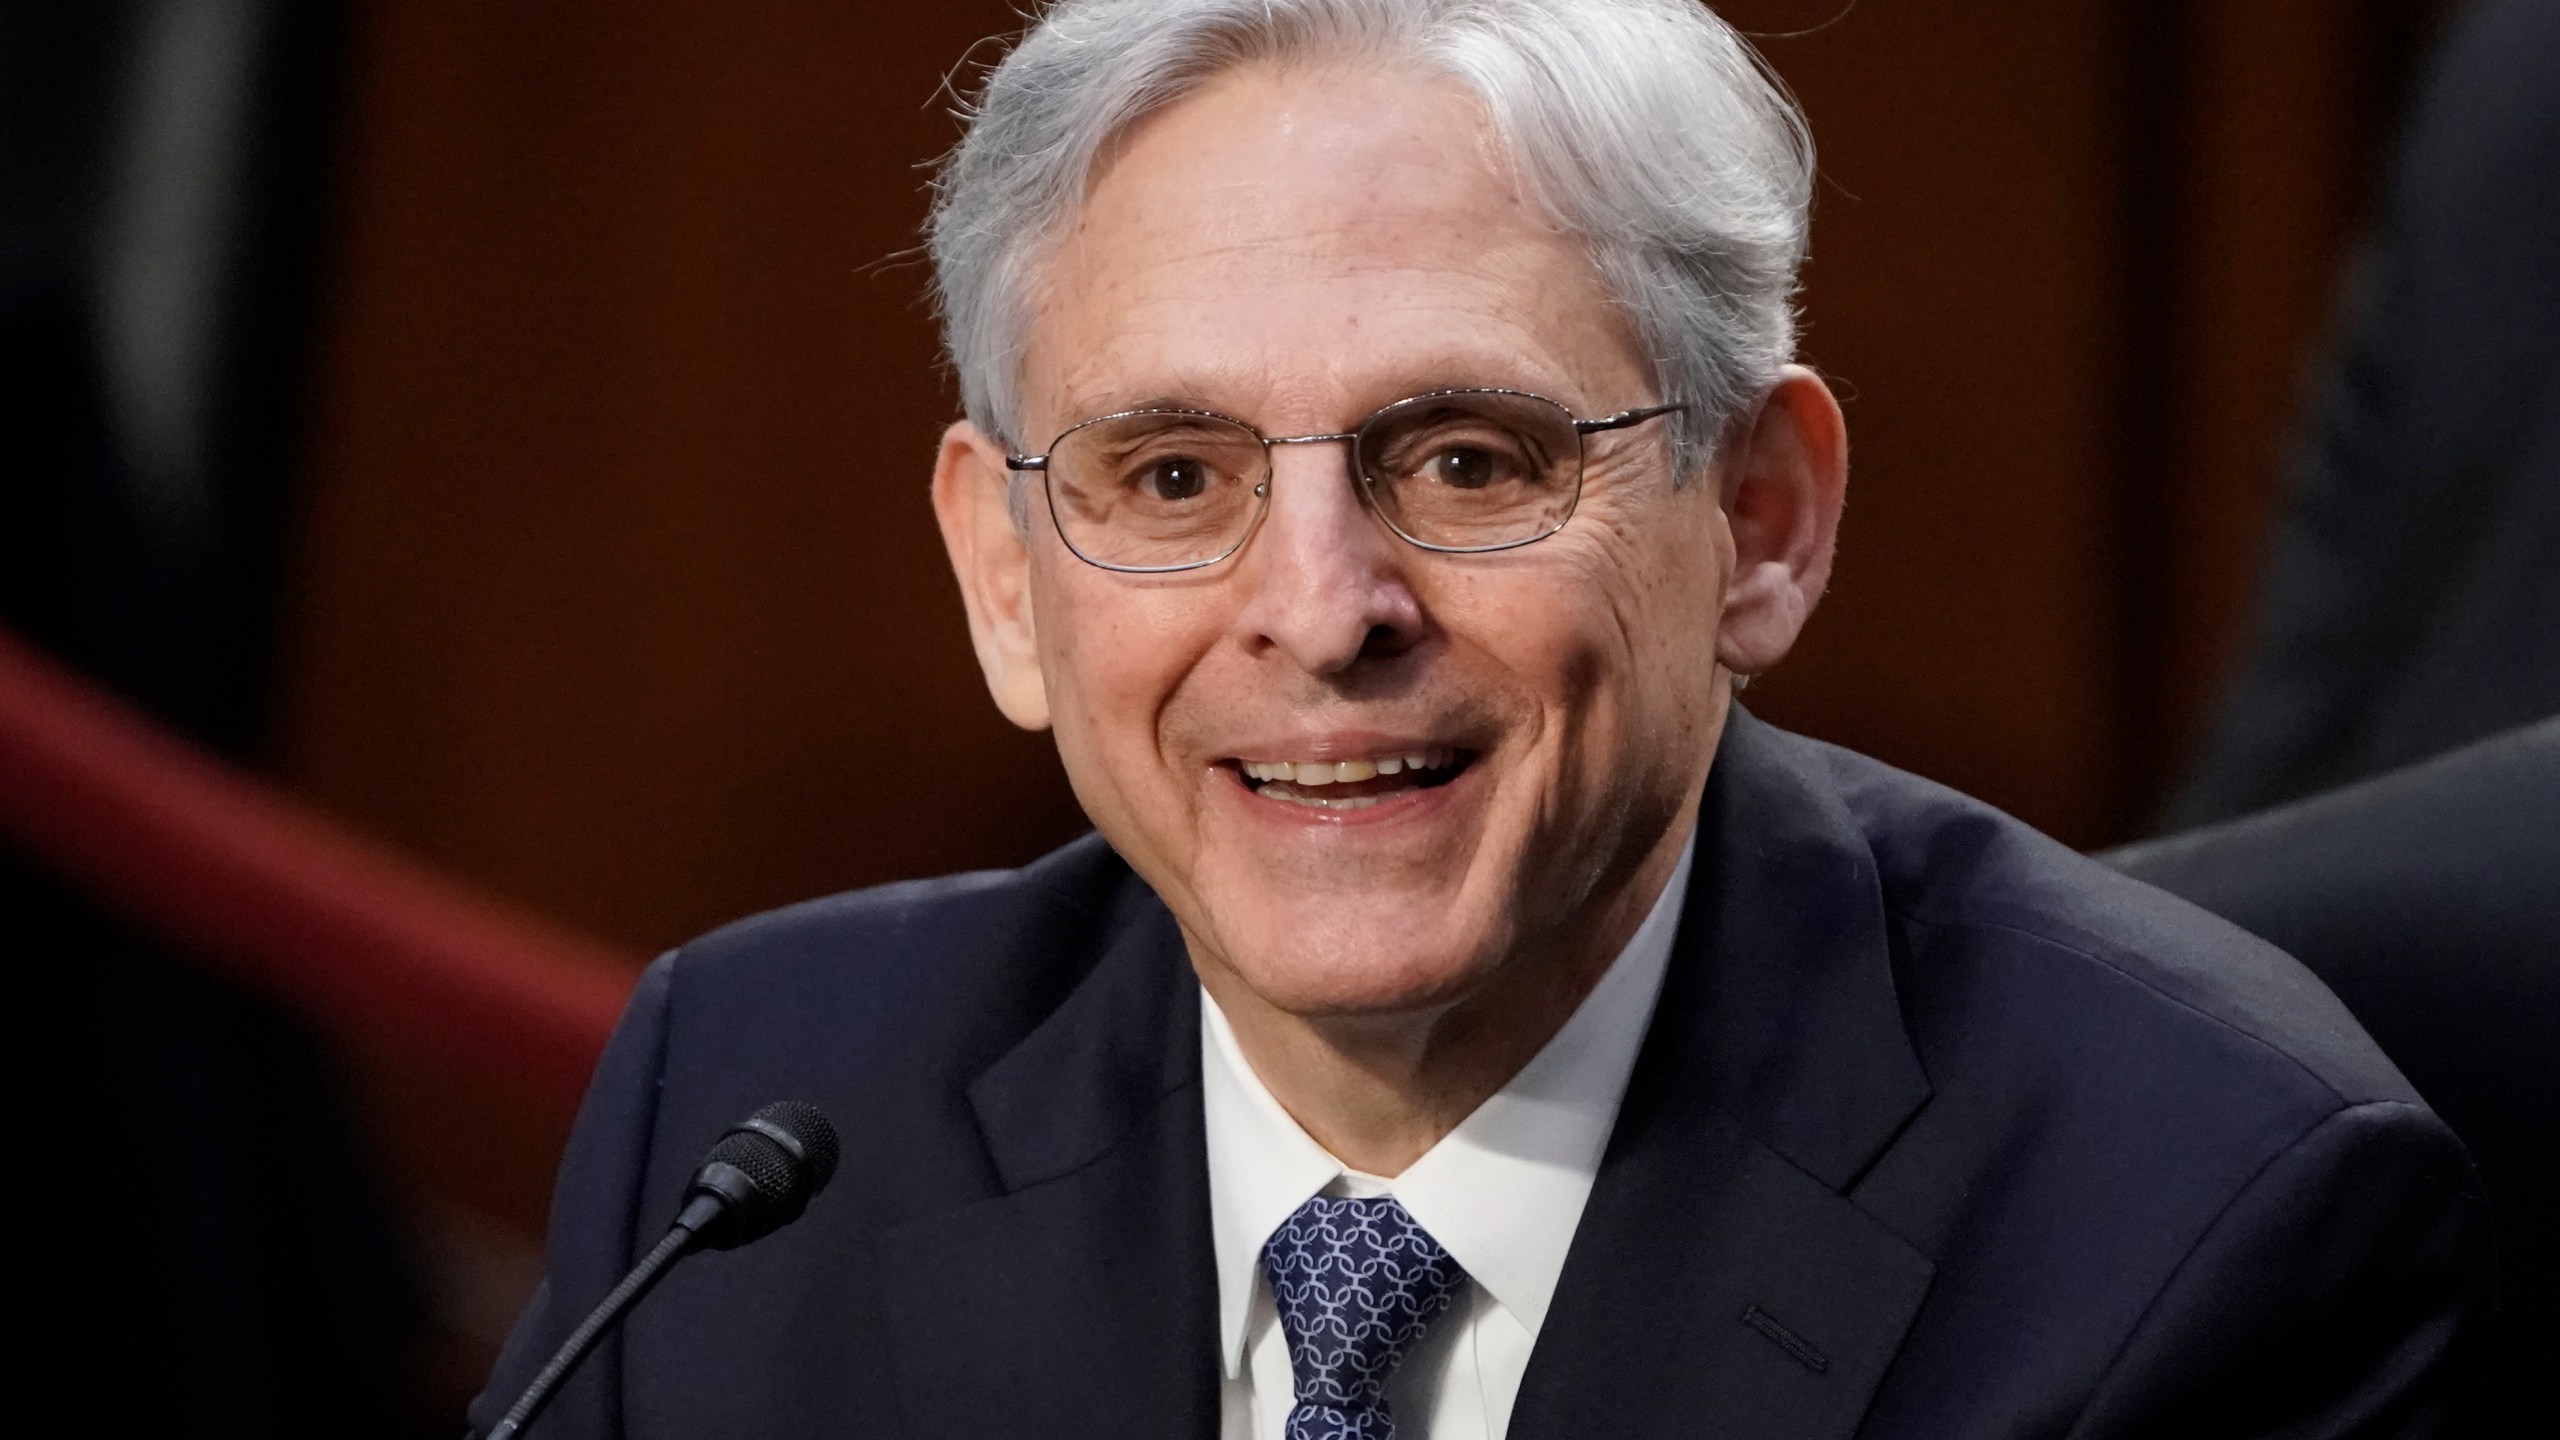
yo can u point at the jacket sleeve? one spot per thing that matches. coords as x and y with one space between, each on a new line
594 1205
2331 1298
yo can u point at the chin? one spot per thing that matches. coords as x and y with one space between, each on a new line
1340 964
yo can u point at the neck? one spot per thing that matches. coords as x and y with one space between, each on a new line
1378 1091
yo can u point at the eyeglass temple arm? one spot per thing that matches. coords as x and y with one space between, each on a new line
1026 462
1624 418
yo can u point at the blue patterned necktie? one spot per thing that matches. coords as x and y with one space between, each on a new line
1357 1282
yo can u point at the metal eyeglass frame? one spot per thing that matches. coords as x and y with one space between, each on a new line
1618 420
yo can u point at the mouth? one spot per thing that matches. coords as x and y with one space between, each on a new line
1354 784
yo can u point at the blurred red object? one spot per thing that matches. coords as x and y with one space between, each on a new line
376 948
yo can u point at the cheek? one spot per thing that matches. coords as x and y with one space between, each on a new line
1113 653
1662 565
1613 626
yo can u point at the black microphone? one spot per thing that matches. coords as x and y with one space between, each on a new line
755 1181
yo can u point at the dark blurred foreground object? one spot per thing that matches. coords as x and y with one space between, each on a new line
2413 603
2429 900
241 1275
250 1247
162 188
160 191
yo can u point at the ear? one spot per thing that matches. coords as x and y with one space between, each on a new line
1782 485
992 561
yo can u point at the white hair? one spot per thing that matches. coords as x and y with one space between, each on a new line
1647 127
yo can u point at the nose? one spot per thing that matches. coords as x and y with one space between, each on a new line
1327 585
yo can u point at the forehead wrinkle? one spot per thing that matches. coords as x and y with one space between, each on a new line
1476 332
1379 240
1325 393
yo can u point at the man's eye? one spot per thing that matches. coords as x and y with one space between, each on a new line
1464 467
1179 477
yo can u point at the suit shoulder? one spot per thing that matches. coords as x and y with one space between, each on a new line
886 924
2146 1134
907 968
1994 909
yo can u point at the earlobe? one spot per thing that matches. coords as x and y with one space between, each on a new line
1782 485
991 559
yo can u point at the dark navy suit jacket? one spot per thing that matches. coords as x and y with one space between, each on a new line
1939 1130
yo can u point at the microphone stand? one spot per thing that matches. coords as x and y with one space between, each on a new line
583 1339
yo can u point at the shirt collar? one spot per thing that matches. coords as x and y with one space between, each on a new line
1502 1192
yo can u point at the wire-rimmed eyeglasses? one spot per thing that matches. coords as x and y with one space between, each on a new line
1465 471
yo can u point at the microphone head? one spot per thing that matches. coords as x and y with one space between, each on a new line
766 1168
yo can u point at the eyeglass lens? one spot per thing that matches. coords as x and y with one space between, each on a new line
1168 489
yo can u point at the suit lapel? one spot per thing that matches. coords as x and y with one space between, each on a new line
1082 1300
1720 1282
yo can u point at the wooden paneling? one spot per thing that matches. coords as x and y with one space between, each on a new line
2271 153
619 587
1964 296
2072 263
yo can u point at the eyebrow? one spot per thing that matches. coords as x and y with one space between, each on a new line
1420 380
1165 402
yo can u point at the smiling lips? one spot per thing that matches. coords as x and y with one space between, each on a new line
1351 784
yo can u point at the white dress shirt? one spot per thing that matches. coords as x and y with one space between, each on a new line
1502 1193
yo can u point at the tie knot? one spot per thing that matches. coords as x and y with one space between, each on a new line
1356 1283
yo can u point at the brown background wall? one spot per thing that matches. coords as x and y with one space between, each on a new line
618 589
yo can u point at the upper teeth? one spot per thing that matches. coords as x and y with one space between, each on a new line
1326 772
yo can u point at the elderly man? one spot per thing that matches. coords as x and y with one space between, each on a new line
1382 467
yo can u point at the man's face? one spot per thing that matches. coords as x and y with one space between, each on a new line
1297 247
